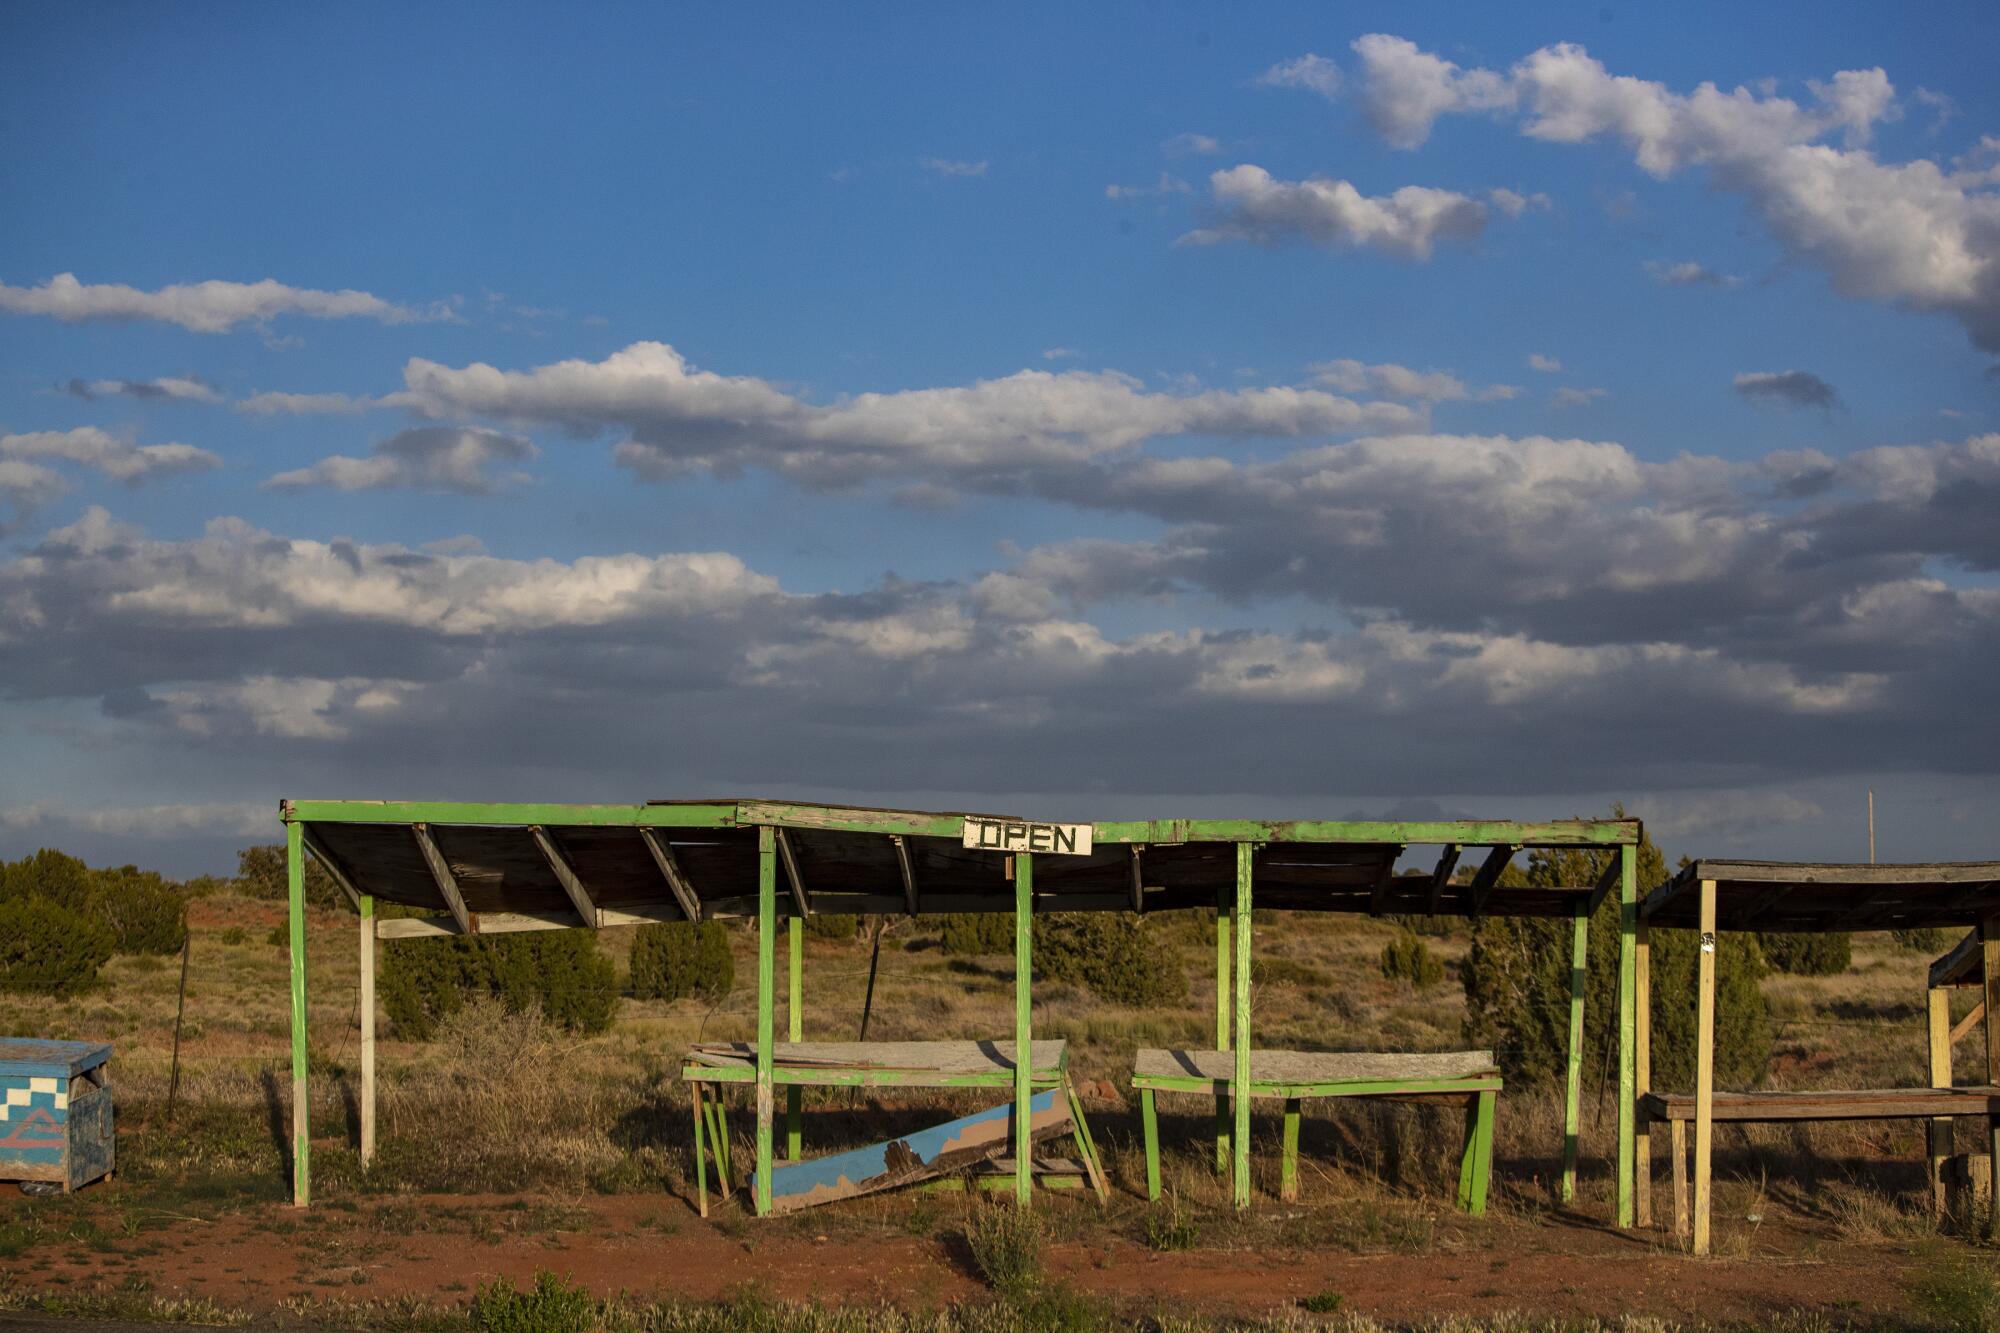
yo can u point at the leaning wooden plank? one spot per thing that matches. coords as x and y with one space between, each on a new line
447 883
919 1156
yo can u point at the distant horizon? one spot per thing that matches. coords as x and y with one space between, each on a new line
1080 414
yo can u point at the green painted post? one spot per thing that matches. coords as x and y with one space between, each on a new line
295 881
1288 1178
1579 963
794 1020
1222 1023
1024 1056
1151 1119
1239 1083
767 984
1628 1017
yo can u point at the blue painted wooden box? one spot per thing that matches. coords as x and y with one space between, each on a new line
55 1111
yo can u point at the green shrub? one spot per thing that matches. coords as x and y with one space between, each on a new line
672 960
48 949
1111 954
551 1306
260 873
977 934
1437 927
1517 986
1932 940
233 935
1407 958
279 936
146 913
560 972
1172 1228
1324 1301
833 926
1815 954
1006 1248
61 879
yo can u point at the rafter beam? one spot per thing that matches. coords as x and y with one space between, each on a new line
1969 1022
1489 875
447 884
333 867
1138 881
670 871
909 872
1441 876
1378 893
1606 882
566 876
799 899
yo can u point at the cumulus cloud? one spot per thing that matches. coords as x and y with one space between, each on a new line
214 306
1913 233
188 389
992 433
233 820
1393 381
1167 184
1409 223
303 404
1688 273
430 458
1548 365
101 451
1191 145
1786 388
1576 397
1315 74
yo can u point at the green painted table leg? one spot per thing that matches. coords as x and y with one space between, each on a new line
1224 1029
1288 1179
1086 1146
1468 1157
794 1018
719 1136
1152 1126
700 1152
1482 1167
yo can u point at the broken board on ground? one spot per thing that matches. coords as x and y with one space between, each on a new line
920 1156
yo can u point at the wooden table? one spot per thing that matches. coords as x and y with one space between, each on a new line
1775 1106
1469 1077
873 1064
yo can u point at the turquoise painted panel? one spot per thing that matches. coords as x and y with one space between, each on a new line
33 1057
34 1119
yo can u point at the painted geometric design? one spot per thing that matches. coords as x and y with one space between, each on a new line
22 1095
33 1116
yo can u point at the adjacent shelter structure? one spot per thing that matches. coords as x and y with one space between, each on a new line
1711 895
489 868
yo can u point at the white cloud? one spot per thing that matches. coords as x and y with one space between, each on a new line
1191 145
1315 74
1786 388
947 166
303 404
1393 381
1406 224
109 454
1548 365
1513 203
1167 184
1909 233
202 307
238 820
1576 397
1688 273
1059 353
435 458
173 388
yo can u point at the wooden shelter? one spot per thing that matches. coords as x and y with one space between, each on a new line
1715 895
490 868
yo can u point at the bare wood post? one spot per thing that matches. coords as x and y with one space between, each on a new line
1239 1082
767 966
1642 1129
295 880
1989 948
1579 961
368 947
1938 1003
1704 1070
1024 1023
180 1011
1679 1150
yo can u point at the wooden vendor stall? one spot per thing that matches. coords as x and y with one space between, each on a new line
1714 895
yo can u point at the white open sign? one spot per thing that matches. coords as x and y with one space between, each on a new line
1015 835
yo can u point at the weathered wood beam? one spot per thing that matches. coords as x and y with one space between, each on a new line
1960 967
1489 875
902 847
508 923
1654 902
1966 1024
1606 882
341 878
670 870
447 884
798 885
1138 880
1378 892
1441 876
566 876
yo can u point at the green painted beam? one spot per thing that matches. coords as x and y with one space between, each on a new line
767 931
1557 833
851 819
295 881
834 1077
1024 1025
1628 1016
1420 1087
1240 1083
1579 963
510 813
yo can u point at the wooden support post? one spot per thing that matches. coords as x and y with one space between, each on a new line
1704 1069
1938 1016
794 1031
767 985
700 1149
902 847
1642 1129
670 871
1579 959
1628 1011
1678 1148
1024 1022
1239 1082
1223 1023
368 947
295 880
1288 1172
1989 948
1150 1119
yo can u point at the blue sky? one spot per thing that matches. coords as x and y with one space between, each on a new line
1149 508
